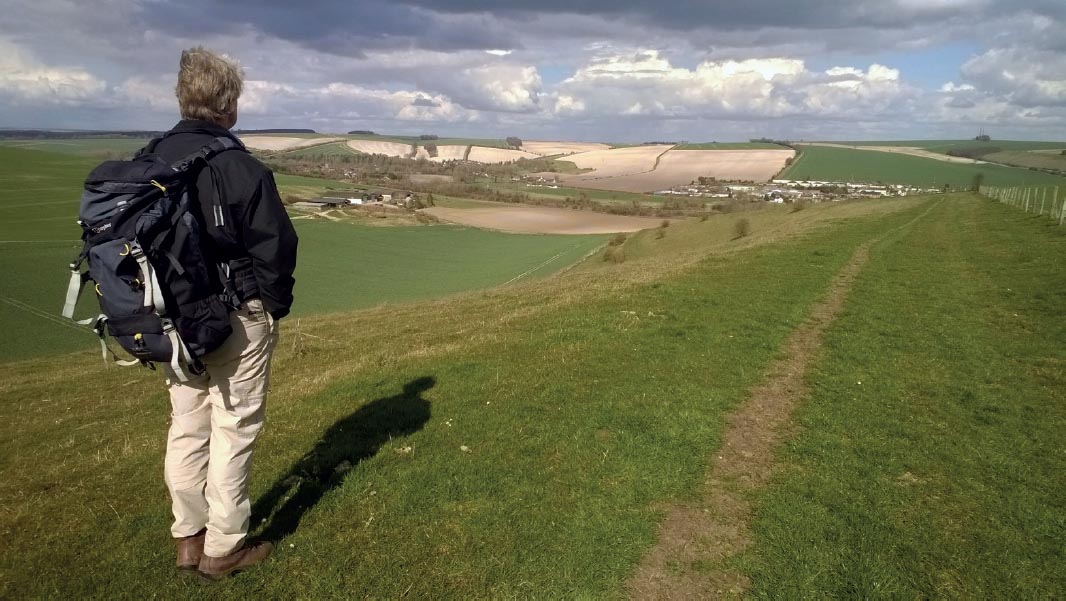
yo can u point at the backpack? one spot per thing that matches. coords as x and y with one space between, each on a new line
162 298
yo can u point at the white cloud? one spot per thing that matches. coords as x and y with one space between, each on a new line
24 80
646 83
1026 77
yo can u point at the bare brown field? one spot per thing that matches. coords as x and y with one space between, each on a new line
680 167
392 149
617 161
451 152
542 220
917 152
484 154
427 178
546 148
282 142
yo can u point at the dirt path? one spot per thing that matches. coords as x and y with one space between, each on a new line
717 527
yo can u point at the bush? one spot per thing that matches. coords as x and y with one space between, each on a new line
799 205
704 217
742 228
665 223
614 254
660 233
617 240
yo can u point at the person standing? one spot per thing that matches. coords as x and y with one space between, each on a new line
217 415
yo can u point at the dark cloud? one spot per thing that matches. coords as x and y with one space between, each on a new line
687 15
423 101
336 27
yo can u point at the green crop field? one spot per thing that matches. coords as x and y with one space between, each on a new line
98 148
943 146
343 266
523 441
1038 160
846 164
322 151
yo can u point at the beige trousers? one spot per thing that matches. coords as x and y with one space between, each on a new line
214 423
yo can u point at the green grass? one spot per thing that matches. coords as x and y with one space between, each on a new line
342 266
846 164
930 462
730 146
585 402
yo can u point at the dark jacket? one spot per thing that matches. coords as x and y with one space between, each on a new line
254 234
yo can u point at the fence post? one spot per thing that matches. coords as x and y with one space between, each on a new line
1043 199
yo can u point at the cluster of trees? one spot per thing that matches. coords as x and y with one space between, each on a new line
973 152
514 142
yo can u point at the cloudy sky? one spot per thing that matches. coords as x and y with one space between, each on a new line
611 70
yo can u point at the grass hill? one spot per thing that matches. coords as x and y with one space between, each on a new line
526 440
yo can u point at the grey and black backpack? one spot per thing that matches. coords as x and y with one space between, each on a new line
162 296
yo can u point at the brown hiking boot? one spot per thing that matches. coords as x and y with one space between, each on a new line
217 568
190 550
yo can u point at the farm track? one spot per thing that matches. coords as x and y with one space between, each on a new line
716 528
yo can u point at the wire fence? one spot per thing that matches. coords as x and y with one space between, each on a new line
1039 200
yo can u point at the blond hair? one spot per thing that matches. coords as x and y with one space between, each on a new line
208 85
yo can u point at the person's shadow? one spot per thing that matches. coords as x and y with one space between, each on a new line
352 439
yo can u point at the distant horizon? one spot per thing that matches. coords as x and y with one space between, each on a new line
238 130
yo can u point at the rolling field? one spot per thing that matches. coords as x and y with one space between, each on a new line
387 148
324 151
275 143
680 167
524 441
99 148
843 164
546 148
484 154
943 146
416 141
342 266
730 146
1053 159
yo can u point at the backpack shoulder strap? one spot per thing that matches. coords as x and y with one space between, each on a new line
216 146
149 148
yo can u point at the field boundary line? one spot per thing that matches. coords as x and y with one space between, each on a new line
716 527
529 271
41 313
